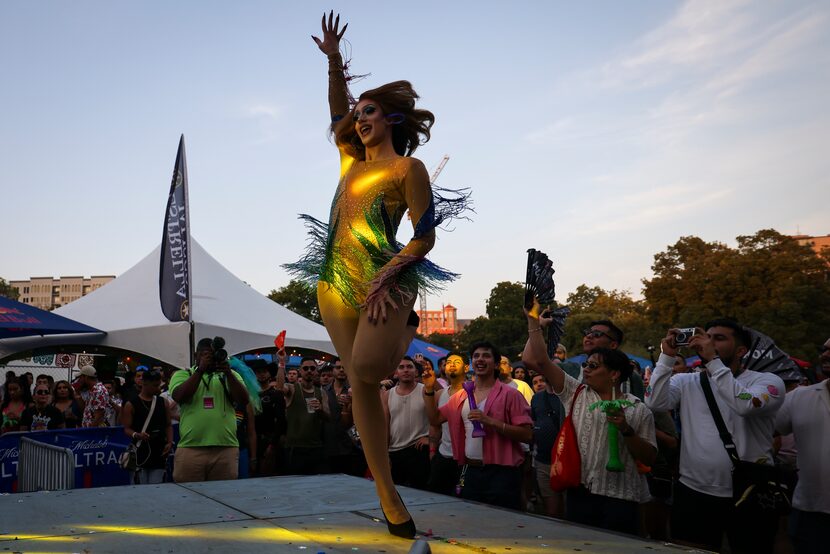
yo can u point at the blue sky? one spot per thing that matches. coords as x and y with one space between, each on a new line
598 132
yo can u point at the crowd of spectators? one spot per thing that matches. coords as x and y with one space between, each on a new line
492 443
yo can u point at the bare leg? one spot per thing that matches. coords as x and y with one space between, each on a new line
340 321
378 348
369 352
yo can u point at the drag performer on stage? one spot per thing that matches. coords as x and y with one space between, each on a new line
366 281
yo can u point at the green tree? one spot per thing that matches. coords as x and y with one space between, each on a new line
444 341
298 297
506 300
583 298
476 330
768 282
7 290
505 325
589 304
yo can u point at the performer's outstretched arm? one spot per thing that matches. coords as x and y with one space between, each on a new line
330 46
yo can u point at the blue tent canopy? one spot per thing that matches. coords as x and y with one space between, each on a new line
427 350
21 320
416 347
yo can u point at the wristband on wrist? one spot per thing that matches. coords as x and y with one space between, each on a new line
429 393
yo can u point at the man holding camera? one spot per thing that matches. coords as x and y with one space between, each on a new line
748 401
208 449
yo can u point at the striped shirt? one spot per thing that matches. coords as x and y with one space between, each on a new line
592 435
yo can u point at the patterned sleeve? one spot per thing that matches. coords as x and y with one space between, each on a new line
98 399
567 393
644 424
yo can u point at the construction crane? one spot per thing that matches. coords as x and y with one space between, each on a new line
425 322
439 169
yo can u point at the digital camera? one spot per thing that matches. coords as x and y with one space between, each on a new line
220 355
684 336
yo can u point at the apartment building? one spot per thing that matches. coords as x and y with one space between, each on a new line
48 293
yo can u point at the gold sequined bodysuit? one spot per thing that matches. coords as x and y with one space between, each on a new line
356 252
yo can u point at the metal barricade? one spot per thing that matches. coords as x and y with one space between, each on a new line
44 467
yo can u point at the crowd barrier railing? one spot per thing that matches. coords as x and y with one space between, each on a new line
44 467
95 453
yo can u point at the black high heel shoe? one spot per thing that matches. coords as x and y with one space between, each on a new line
405 530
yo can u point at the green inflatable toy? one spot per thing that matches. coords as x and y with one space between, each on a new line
614 462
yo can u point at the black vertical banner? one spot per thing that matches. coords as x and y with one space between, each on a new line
174 269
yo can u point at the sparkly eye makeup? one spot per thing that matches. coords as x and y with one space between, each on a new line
368 110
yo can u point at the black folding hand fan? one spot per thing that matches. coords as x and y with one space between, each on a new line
541 291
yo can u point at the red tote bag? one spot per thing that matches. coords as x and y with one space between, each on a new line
565 461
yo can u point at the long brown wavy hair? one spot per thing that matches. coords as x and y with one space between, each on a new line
393 98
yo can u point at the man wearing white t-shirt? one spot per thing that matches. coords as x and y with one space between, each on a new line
408 427
748 401
806 414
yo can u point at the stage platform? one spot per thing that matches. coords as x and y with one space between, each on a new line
326 513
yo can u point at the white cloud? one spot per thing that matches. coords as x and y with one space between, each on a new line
714 67
267 112
639 209
701 33
268 118
781 49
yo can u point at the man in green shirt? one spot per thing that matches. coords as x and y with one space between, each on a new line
208 449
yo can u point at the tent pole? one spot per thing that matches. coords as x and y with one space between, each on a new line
192 343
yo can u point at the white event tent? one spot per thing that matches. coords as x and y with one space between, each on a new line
129 311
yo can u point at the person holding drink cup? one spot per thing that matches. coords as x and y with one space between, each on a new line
306 413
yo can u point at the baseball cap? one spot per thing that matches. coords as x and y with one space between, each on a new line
88 370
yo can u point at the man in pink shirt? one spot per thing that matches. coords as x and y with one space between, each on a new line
491 465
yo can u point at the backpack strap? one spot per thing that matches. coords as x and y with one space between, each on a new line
725 436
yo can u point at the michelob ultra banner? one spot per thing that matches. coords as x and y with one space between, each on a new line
96 451
174 269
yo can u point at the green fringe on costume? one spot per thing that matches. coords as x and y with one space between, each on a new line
322 263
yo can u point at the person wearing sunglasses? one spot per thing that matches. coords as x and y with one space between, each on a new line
155 441
604 498
42 415
604 334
